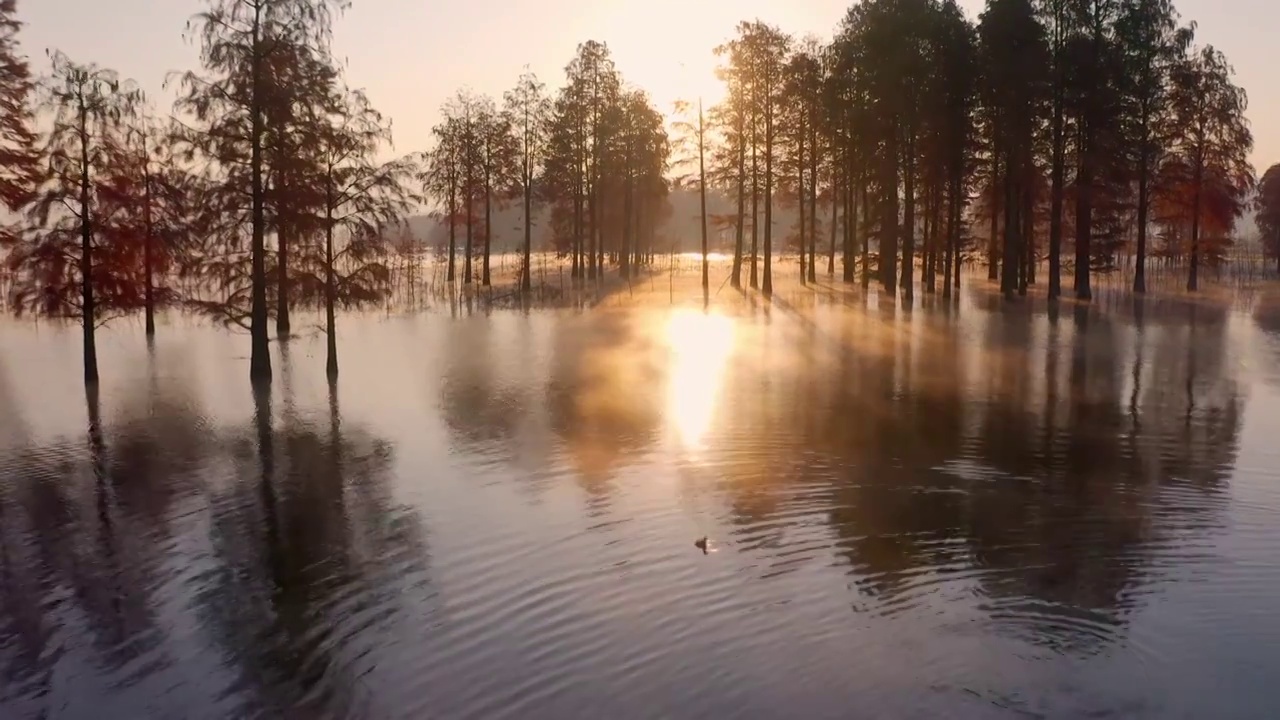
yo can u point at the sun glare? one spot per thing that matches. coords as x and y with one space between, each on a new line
701 345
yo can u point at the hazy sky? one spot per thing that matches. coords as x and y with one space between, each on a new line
409 55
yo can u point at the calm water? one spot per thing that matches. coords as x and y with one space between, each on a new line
971 512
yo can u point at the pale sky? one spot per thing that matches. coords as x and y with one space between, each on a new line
410 55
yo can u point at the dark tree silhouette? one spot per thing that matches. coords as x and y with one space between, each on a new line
63 267
242 44
1268 207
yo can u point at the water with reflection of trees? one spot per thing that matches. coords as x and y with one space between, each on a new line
917 509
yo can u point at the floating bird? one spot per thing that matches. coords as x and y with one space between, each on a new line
701 544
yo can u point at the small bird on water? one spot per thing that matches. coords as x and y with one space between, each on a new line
701 544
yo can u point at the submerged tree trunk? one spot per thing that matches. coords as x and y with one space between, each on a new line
866 231
909 219
526 269
768 197
702 197
453 223
1084 222
282 281
739 231
260 349
488 228
148 251
1140 269
1193 279
88 311
755 214
992 252
835 217
800 168
330 297
813 203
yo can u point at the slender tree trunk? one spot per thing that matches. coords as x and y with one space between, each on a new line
1140 269
889 223
1193 280
702 197
466 260
768 188
739 231
148 245
592 198
835 218
957 208
755 211
1009 256
846 246
1084 218
813 203
453 223
909 217
949 252
330 297
88 310
488 227
1058 170
931 238
866 230
260 349
996 189
627 202
526 271
800 193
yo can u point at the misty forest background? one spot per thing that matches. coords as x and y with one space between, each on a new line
1047 142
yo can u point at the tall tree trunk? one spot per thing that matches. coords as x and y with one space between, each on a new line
148 250
488 226
835 205
260 349
996 208
909 216
739 231
800 193
526 270
593 197
88 310
330 297
755 211
453 223
702 197
1193 279
1140 269
624 262
866 230
768 187
889 222
1058 170
813 202
949 252
469 200
846 245
1084 217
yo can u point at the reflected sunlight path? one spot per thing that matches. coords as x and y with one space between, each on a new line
700 345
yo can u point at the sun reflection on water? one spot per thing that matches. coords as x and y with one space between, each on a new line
701 344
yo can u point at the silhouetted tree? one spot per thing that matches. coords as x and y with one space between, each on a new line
362 199
63 269
19 163
241 40
1268 207
1211 143
530 112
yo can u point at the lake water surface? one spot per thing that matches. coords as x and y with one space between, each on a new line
972 511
